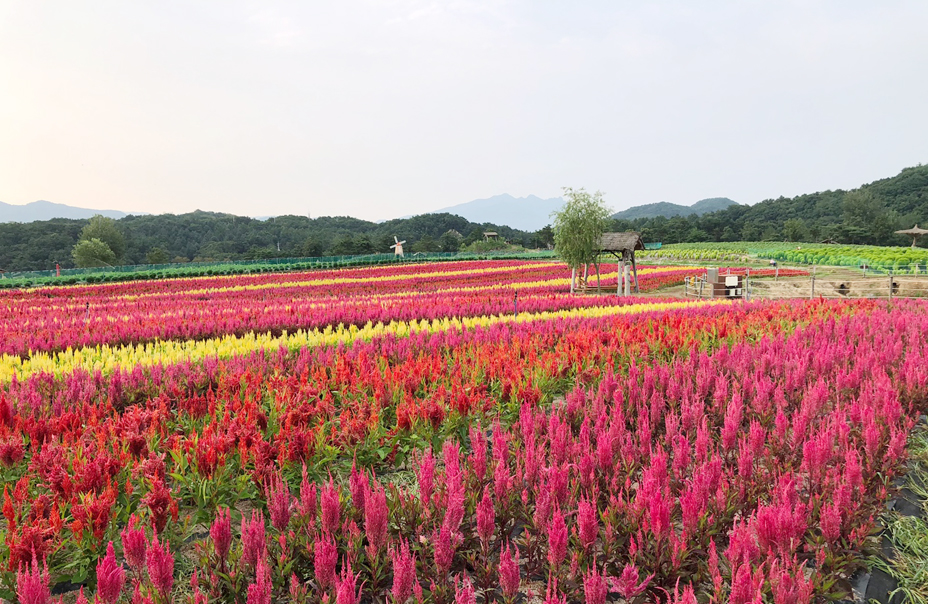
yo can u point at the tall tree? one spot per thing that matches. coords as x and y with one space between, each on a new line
578 228
105 229
92 252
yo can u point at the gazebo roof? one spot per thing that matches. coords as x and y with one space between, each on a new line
913 231
620 242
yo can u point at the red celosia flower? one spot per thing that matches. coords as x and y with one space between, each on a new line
160 564
110 577
221 533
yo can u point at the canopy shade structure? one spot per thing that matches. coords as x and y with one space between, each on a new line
914 232
623 247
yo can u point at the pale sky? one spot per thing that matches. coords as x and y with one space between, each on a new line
381 109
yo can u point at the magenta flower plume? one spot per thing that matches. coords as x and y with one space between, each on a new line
375 519
587 523
278 503
134 545
509 575
221 533
160 564
404 573
557 539
254 540
32 584
324 561
594 587
259 592
464 591
110 577
346 591
629 584
331 508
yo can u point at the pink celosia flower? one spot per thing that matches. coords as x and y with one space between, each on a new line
345 589
509 576
404 573
32 584
134 545
221 533
552 595
358 485
375 519
628 584
587 523
594 587
331 508
557 539
445 543
464 592
426 477
110 577
254 541
278 502
831 522
324 561
160 564
745 587
259 592
307 497
486 518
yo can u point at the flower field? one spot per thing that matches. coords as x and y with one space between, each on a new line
401 434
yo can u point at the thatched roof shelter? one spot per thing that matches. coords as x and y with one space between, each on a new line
623 246
915 232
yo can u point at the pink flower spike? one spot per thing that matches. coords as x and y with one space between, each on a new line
160 564
32 584
110 577
221 533
134 545
509 576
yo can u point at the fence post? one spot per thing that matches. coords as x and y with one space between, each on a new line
812 294
700 288
890 284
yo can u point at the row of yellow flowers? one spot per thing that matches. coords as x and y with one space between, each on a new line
107 358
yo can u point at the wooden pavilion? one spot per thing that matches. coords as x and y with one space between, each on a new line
914 232
623 246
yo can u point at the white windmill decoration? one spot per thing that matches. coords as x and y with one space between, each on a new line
398 246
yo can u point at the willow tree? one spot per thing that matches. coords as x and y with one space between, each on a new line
578 228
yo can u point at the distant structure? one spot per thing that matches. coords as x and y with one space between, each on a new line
454 234
623 246
915 232
487 235
397 247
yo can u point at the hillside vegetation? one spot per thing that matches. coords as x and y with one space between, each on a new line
868 215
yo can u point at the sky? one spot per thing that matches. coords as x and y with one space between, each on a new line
383 109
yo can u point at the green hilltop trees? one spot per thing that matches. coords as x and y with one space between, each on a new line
101 243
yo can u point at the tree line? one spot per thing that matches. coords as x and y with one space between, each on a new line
208 237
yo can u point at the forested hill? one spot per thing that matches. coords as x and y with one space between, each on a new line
867 215
667 209
208 236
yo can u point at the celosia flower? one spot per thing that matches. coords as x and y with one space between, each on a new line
404 573
160 564
324 561
426 477
445 543
346 591
259 592
110 577
221 533
134 545
331 508
509 575
629 584
254 540
278 503
594 587
486 518
587 523
375 519
32 584
464 591
557 539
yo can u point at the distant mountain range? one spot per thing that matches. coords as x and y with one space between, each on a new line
668 210
46 210
524 213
